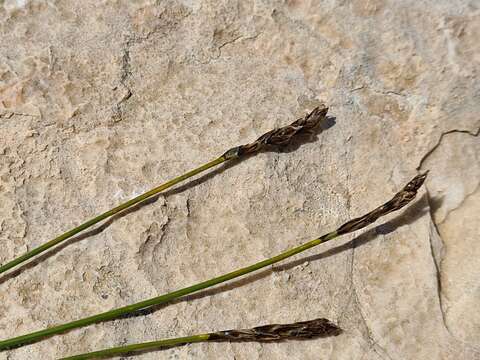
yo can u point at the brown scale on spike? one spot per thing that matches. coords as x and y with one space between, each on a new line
278 332
402 198
282 136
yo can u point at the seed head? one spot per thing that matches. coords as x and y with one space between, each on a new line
277 332
282 136
402 198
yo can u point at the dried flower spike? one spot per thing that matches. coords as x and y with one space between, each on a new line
281 136
277 332
402 198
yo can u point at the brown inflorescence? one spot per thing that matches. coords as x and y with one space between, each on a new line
278 332
281 136
402 198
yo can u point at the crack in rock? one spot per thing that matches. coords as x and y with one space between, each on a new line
373 344
125 69
439 142
435 239
436 251
465 198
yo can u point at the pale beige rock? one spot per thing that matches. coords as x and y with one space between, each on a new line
100 101
453 186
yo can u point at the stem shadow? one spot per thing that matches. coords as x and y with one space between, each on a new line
410 215
298 141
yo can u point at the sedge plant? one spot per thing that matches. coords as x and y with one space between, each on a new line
276 137
399 200
302 330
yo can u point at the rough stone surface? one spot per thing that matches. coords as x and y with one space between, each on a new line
102 100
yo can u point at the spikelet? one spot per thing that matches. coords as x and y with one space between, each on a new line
278 332
282 136
402 198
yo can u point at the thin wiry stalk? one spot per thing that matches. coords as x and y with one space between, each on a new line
277 137
402 198
302 330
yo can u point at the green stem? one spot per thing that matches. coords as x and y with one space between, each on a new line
399 200
277 137
301 330
113 314
140 347
109 213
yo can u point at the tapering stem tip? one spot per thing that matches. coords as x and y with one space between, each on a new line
278 332
402 198
416 182
282 136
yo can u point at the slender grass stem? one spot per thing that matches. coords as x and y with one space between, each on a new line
276 332
280 137
108 214
113 314
140 347
402 198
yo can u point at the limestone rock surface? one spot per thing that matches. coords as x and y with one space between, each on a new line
103 100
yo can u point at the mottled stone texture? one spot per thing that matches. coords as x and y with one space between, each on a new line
102 100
